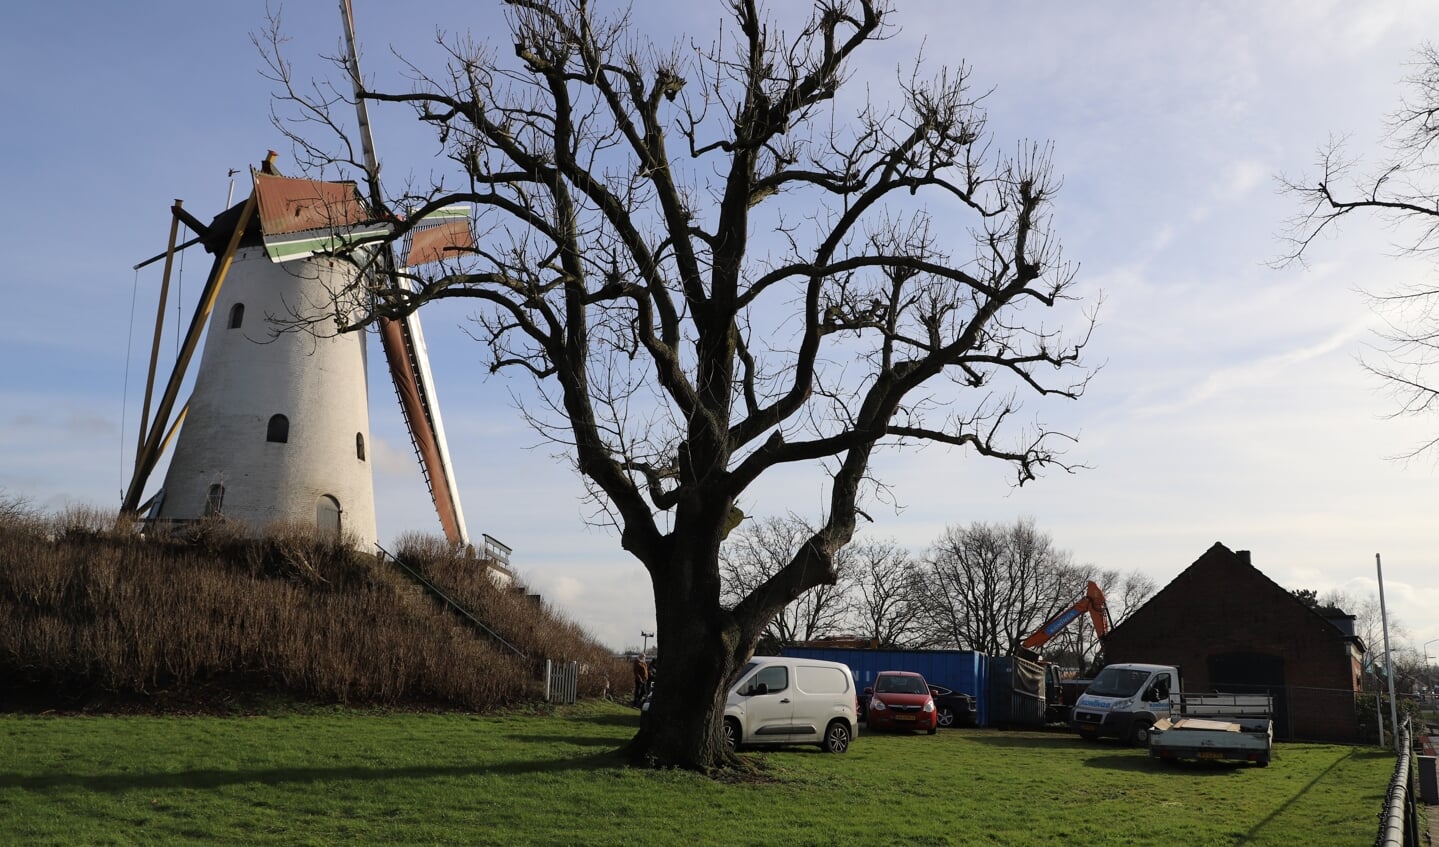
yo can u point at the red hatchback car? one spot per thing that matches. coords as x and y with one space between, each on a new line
901 700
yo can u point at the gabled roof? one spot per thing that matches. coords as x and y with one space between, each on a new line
1216 554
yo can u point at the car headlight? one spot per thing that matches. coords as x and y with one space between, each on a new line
876 705
928 706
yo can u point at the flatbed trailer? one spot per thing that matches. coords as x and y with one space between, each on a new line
1216 727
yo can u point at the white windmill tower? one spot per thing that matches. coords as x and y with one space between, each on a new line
277 426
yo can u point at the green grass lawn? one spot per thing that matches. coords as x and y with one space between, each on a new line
351 778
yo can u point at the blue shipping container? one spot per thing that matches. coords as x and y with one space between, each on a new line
961 670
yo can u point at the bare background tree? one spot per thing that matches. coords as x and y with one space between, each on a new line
986 587
1403 189
886 591
1369 624
990 585
757 551
716 263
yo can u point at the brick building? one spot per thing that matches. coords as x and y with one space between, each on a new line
1231 628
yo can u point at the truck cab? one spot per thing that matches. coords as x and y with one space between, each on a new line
1124 701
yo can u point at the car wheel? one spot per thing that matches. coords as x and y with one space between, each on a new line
945 716
1139 733
836 738
729 734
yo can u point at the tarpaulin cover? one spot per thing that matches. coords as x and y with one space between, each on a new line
1016 691
1027 678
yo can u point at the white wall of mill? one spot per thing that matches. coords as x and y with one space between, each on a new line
246 375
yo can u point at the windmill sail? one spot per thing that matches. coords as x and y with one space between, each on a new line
409 372
442 234
438 235
403 342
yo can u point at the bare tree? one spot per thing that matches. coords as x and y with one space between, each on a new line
716 263
1125 592
886 582
989 586
756 552
1402 189
1368 621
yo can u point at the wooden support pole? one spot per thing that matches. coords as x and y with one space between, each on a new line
150 451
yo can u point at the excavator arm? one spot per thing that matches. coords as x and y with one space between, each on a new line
1092 602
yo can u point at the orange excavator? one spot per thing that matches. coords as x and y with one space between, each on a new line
1092 602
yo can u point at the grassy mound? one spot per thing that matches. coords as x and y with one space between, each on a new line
99 617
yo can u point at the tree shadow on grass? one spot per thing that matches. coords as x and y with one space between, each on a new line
1105 754
1296 796
1144 763
625 719
214 778
1046 740
609 741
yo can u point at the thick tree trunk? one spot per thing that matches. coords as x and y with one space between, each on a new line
699 650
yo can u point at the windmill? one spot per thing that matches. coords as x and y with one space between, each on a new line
277 424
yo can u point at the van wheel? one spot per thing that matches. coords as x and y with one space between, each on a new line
836 738
729 734
945 717
1139 733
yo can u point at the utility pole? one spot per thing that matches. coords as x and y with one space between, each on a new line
1388 656
1429 672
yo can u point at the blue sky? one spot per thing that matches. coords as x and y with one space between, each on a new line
1230 407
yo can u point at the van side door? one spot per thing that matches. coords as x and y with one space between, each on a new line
768 701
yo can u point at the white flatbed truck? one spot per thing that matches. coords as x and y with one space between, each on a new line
1131 701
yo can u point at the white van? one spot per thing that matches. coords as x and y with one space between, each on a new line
788 700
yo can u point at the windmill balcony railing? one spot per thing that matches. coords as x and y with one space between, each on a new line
495 551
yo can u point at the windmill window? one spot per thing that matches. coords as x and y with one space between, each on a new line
278 430
237 315
214 500
327 515
360 446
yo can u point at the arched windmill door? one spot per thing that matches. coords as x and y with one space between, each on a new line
327 516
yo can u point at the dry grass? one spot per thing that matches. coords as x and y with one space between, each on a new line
518 617
95 616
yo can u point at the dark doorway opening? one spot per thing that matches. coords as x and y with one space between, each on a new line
1253 673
